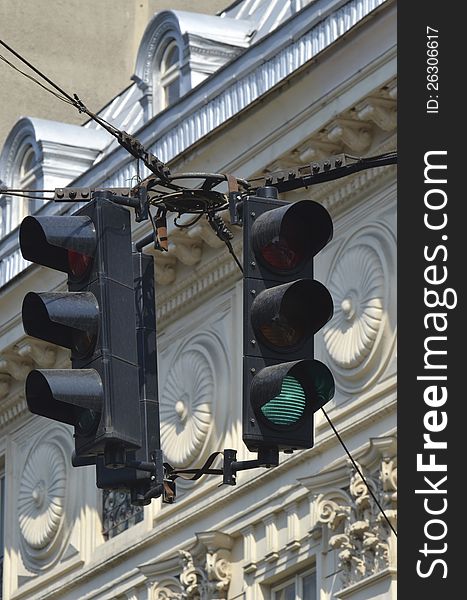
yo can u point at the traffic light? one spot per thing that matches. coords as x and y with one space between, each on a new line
283 385
95 319
131 479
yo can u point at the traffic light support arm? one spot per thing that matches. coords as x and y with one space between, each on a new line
267 458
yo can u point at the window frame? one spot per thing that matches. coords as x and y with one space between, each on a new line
297 580
167 75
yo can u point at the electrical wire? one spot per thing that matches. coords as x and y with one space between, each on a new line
18 195
190 224
63 98
356 467
234 256
20 190
131 144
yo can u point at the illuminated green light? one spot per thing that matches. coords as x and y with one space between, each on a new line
288 406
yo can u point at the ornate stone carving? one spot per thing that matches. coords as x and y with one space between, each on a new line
165 268
26 354
5 384
37 352
15 366
41 495
381 111
357 287
186 405
187 250
357 528
202 232
203 572
360 336
315 149
206 570
42 501
355 135
169 589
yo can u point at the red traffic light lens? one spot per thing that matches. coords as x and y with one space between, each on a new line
78 264
283 254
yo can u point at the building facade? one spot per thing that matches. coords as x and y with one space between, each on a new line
258 87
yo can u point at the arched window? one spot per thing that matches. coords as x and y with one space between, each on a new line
170 74
27 176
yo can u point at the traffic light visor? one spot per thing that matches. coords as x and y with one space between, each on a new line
286 316
59 242
68 319
73 397
286 238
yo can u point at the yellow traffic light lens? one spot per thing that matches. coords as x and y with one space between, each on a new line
288 407
282 333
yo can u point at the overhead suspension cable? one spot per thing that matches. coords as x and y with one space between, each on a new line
131 144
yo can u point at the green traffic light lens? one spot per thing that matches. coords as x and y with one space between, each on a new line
288 407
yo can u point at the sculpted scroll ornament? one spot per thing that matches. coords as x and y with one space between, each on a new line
359 530
206 581
186 406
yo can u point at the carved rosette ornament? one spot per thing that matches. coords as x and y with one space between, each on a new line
186 406
358 336
41 496
357 528
42 502
356 286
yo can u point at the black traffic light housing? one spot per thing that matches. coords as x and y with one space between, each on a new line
283 385
95 319
142 484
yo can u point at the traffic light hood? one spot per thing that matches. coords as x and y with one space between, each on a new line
41 236
287 237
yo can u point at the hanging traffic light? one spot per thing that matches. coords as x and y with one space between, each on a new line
283 385
137 481
95 319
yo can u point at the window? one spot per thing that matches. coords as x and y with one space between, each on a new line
300 587
170 74
27 178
